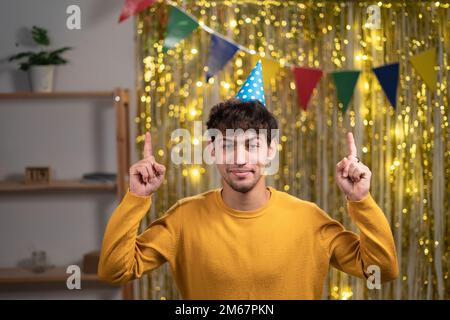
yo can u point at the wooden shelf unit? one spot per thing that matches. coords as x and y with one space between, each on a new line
120 100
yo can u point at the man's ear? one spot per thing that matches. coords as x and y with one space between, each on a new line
211 148
209 154
272 150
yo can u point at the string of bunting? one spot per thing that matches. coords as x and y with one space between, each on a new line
181 24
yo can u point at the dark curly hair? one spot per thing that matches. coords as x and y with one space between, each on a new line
236 114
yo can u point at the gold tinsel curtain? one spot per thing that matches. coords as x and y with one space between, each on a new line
407 148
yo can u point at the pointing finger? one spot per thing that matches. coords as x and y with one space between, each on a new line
351 145
148 145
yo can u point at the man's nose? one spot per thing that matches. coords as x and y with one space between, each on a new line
240 155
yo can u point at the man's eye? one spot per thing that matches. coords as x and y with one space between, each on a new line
254 146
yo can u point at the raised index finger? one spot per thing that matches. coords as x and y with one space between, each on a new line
148 145
351 145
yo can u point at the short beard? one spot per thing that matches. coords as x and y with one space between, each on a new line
242 188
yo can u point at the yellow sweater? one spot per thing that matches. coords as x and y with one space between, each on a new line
280 251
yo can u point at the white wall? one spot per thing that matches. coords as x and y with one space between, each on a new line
72 136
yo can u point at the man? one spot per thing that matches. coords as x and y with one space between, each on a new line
246 240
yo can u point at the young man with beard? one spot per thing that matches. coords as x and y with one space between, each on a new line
246 240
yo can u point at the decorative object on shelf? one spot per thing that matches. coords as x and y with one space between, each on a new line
90 262
39 261
37 175
40 65
100 177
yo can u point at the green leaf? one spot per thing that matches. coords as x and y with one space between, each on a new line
20 55
40 58
59 51
55 57
40 36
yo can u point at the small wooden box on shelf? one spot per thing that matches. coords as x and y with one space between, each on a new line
37 175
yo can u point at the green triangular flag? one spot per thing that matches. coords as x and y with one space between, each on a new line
345 82
180 25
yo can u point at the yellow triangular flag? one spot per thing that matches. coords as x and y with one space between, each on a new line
424 64
270 68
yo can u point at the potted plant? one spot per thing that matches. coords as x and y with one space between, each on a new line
40 65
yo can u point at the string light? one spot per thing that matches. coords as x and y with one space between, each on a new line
346 294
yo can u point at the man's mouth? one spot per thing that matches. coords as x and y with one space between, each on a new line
241 173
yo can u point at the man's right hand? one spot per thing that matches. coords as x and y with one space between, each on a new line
146 175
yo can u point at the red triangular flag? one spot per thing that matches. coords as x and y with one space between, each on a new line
306 80
132 7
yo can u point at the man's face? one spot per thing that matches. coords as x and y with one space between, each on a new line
241 158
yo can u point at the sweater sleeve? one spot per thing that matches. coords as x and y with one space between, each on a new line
125 255
374 246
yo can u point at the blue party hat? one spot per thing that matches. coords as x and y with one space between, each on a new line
253 88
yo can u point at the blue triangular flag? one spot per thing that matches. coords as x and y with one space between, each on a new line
220 52
387 76
253 88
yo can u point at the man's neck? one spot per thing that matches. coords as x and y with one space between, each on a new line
251 200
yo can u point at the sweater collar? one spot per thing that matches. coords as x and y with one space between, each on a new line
247 213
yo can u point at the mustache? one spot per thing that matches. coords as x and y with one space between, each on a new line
240 169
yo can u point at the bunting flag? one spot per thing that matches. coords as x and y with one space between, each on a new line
220 52
424 64
345 82
132 7
306 80
387 76
180 26
270 68
253 87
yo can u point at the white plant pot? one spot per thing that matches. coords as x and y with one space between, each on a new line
41 78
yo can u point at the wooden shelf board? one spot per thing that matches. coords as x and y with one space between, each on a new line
19 186
52 275
62 94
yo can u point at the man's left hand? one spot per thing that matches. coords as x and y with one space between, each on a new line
352 176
